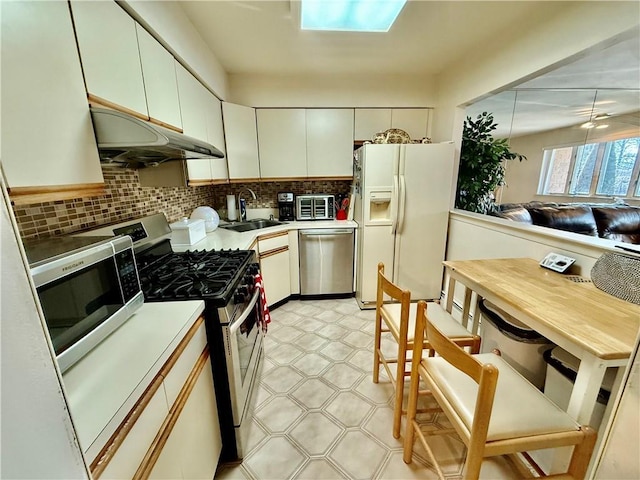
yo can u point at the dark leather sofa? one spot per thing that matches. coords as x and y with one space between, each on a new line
611 221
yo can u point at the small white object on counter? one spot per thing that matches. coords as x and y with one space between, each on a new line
210 217
232 214
187 232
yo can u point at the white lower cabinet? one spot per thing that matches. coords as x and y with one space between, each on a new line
275 266
294 262
193 447
173 431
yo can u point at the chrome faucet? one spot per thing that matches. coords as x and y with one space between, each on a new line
243 203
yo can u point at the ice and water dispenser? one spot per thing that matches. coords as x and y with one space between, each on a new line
378 207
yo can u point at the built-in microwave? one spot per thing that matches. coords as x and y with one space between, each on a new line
87 288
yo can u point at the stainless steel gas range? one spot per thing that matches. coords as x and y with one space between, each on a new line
224 279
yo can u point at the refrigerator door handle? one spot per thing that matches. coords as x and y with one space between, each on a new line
394 205
401 207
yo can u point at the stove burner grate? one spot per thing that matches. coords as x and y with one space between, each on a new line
193 274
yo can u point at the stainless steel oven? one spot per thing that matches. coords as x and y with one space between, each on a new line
242 336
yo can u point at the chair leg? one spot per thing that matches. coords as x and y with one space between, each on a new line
399 394
376 348
409 432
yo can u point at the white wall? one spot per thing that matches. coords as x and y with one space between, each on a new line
169 24
37 436
332 91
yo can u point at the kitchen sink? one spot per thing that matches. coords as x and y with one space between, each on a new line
255 224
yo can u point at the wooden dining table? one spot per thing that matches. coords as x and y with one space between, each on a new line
598 328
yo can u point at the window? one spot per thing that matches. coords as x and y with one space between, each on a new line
595 169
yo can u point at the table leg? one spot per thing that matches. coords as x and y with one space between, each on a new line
585 390
466 307
581 404
450 290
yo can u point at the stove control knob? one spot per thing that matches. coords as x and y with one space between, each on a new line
243 290
254 268
239 298
249 280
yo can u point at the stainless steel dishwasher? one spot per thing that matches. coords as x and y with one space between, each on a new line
326 261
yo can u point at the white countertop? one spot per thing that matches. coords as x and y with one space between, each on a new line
103 386
222 238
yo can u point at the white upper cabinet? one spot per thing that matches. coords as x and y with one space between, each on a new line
414 121
369 121
329 142
109 50
202 119
192 108
282 142
47 135
241 141
160 84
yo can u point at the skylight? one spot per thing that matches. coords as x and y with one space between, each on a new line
350 15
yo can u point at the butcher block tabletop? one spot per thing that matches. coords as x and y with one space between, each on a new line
595 321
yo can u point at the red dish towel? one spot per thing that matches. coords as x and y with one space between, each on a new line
265 317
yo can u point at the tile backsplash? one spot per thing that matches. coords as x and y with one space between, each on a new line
126 199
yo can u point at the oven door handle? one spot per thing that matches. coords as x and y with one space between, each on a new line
233 326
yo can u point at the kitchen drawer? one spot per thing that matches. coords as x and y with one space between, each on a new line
271 242
177 375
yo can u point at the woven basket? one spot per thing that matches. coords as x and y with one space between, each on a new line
618 275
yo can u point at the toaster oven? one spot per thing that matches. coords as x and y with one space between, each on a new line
315 207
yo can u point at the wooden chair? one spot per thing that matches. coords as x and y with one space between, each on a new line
493 409
399 320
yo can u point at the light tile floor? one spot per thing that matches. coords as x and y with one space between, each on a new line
318 413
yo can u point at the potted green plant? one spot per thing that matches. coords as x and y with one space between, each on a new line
482 164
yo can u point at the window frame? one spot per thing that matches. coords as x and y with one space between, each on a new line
633 190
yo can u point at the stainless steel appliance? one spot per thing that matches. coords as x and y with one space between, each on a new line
326 261
224 279
286 207
87 288
315 207
132 143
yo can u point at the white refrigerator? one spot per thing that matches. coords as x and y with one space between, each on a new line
403 194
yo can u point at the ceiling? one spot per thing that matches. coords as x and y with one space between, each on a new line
264 38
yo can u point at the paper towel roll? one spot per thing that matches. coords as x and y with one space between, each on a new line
232 213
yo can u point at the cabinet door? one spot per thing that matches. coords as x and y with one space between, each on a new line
241 141
275 270
369 121
330 142
193 448
192 108
282 142
108 47
212 171
294 263
215 135
43 95
160 84
135 445
414 121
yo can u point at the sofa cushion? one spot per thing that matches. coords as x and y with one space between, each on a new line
517 214
576 218
620 223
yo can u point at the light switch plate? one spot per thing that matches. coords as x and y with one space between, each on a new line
556 262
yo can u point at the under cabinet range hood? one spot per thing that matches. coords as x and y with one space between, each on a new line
130 142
